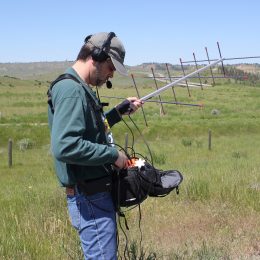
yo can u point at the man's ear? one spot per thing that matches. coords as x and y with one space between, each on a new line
92 62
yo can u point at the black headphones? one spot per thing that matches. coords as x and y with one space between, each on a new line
100 53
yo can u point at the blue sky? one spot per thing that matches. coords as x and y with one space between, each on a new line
152 31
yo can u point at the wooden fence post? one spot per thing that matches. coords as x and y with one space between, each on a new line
209 139
10 153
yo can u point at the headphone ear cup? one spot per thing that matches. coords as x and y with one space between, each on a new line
95 54
99 55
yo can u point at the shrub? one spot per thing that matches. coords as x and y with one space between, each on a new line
186 142
25 144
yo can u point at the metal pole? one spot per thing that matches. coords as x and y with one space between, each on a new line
10 153
171 81
184 76
235 58
209 139
164 102
211 72
162 110
202 77
137 92
197 69
221 58
155 93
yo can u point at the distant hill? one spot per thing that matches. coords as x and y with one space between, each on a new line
156 66
49 70
34 70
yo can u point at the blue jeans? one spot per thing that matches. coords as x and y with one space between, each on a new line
94 218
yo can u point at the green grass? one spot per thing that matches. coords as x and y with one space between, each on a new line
215 216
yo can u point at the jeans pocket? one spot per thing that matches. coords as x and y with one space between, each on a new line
74 211
101 201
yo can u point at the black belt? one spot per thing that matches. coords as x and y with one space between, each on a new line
91 187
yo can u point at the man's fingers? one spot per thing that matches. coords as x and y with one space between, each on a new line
135 103
121 161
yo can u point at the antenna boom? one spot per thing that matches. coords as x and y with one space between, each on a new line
157 92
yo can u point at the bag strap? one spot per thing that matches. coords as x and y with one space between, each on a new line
96 109
72 77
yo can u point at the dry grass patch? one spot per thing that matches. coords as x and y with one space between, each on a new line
171 226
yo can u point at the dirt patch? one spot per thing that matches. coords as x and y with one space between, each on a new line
249 68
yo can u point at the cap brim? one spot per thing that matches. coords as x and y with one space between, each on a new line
120 68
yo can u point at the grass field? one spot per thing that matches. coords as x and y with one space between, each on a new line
215 216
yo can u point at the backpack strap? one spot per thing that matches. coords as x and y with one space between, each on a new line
72 77
96 109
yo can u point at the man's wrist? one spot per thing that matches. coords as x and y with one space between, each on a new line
123 107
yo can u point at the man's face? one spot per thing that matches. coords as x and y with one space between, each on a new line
103 71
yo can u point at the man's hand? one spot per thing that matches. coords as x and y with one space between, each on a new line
121 161
129 106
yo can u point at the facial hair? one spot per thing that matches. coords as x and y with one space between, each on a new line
99 81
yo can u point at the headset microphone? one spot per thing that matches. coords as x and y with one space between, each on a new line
109 84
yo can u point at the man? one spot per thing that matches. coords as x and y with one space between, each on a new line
79 143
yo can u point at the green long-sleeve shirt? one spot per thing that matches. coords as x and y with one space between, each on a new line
78 138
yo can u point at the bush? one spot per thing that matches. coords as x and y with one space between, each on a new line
186 141
159 158
25 144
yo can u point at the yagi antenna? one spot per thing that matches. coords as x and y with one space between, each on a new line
157 92
163 102
137 92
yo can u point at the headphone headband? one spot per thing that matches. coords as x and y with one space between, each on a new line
107 43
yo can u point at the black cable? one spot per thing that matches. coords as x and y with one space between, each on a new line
133 138
132 154
139 224
126 250
122 149
97 94
139 131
